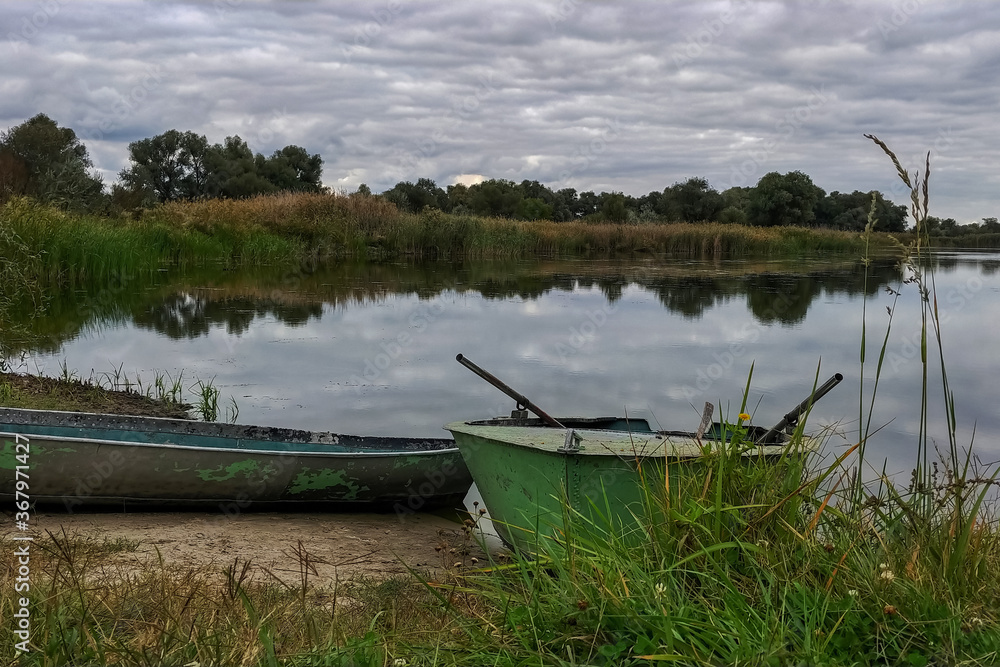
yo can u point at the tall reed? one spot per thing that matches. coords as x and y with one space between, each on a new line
287 228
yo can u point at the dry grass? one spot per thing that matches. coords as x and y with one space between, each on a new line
371 226
97 602
304 215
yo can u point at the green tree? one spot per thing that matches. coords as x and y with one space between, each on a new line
733 215
588 203
50 163
171 165
737 197
292 169
694 200
839 210
495 197
458 198
783 199
234 171
414 197
565 205
537 190
14 178
534 208
613 207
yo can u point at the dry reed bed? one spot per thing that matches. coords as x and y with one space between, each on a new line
290 228
361 225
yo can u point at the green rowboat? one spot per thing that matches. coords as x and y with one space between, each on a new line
530 474
79 459
534 473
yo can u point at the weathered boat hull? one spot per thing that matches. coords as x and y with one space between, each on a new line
529 475
79 459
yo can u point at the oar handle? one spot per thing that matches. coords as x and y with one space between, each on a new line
522 400
792 417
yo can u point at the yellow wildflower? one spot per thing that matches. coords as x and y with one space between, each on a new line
744 417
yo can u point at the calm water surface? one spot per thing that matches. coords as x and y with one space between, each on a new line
370 349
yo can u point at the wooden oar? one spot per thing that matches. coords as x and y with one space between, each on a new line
522 401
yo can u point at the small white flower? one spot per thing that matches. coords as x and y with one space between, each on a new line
887 575
399 662
883 566
660 590
853 592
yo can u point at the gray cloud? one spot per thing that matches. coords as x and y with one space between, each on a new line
399 89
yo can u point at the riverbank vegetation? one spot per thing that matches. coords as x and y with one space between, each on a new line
107 393
51 164
114 392
290 228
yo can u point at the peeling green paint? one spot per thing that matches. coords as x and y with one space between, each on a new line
222 473
408 462
8 455
268 471
325 479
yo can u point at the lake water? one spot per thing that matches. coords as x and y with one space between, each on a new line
370 349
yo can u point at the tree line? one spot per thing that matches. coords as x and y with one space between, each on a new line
42 160
777 199
50 163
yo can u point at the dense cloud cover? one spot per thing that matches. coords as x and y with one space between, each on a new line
591 95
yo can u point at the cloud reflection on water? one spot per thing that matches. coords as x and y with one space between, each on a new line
665 343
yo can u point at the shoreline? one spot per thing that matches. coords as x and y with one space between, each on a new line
340 541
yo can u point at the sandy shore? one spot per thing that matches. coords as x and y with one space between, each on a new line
339 546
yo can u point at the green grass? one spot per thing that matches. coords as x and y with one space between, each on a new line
749 564
72 250
775 565
116 392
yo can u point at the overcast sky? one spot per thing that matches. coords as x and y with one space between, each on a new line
591 95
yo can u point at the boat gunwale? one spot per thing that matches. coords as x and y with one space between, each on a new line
288 452
692 448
